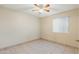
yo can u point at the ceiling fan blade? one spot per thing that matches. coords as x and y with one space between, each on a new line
47 10
35 10
36 5
47 5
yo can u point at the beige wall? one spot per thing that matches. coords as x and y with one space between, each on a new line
16 27
64 38
78 27
78 23
77 51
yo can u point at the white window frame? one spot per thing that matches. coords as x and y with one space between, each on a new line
67 30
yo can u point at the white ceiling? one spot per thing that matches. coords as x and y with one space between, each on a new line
27 8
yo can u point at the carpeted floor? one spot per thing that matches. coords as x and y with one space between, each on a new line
38 47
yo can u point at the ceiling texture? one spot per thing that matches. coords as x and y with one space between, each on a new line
28 8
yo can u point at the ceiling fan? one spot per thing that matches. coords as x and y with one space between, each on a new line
40 8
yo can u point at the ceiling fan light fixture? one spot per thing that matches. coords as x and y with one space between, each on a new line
41 8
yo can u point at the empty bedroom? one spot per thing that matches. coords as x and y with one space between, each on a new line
39 28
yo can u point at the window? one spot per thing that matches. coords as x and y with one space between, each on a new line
60 24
